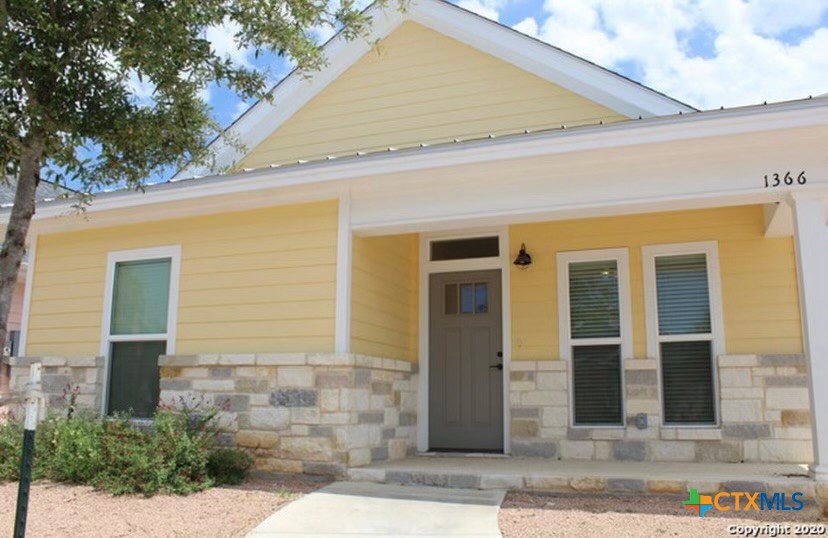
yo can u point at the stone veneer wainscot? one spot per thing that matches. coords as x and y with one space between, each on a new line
764 409
310 413
60 375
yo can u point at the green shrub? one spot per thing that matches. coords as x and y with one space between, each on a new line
11 447
166 455
129 462
229 466
69 450
183 444
170 454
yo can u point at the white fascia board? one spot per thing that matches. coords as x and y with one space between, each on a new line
550 63
631 133
294 92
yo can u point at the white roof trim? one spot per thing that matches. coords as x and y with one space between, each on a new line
710 124
552 64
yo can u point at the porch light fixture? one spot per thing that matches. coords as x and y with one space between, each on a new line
524 259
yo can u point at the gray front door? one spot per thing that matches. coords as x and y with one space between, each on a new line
465 361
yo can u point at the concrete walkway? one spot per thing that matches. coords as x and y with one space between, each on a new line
364 509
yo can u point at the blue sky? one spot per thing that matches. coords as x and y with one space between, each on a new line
708 53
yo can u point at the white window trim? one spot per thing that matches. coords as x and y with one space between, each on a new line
428 267
172 252
621 257
711 250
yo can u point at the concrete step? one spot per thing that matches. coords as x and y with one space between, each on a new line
538 474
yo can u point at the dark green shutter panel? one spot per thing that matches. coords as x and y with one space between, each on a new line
687 382
134 377
597 385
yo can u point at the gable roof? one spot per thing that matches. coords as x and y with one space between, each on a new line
47 191
422 87
550 63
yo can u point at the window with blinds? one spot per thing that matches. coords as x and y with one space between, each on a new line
138 333
685 338
595 337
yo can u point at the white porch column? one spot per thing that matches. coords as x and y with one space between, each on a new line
344 242
811 235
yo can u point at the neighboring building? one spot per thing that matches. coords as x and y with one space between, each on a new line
348 293
47 192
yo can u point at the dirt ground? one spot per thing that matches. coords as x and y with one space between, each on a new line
58 510
526 515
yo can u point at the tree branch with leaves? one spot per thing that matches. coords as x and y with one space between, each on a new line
68 105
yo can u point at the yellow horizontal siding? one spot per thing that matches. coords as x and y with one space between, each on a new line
254 281
420 86
758 274
384 300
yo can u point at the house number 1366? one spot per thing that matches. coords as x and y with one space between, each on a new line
777 180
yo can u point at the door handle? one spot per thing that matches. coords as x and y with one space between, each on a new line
498 366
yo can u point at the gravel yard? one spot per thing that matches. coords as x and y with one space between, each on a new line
525 515
58 510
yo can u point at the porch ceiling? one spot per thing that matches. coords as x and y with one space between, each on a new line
659 176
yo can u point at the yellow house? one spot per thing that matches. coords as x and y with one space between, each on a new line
458 238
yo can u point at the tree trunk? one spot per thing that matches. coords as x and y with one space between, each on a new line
14 244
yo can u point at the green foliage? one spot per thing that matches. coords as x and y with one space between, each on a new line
129 463
229 466
172 454
11 446
69 450
184 448
166 456
110 91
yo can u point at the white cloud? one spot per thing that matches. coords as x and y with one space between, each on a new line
142 89
527 26
223 42
747 61
323 32
773 17
487 8
705 52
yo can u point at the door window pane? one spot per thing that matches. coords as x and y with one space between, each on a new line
481 298
134 377
593 299
683 295
466 298
140 297
597 385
